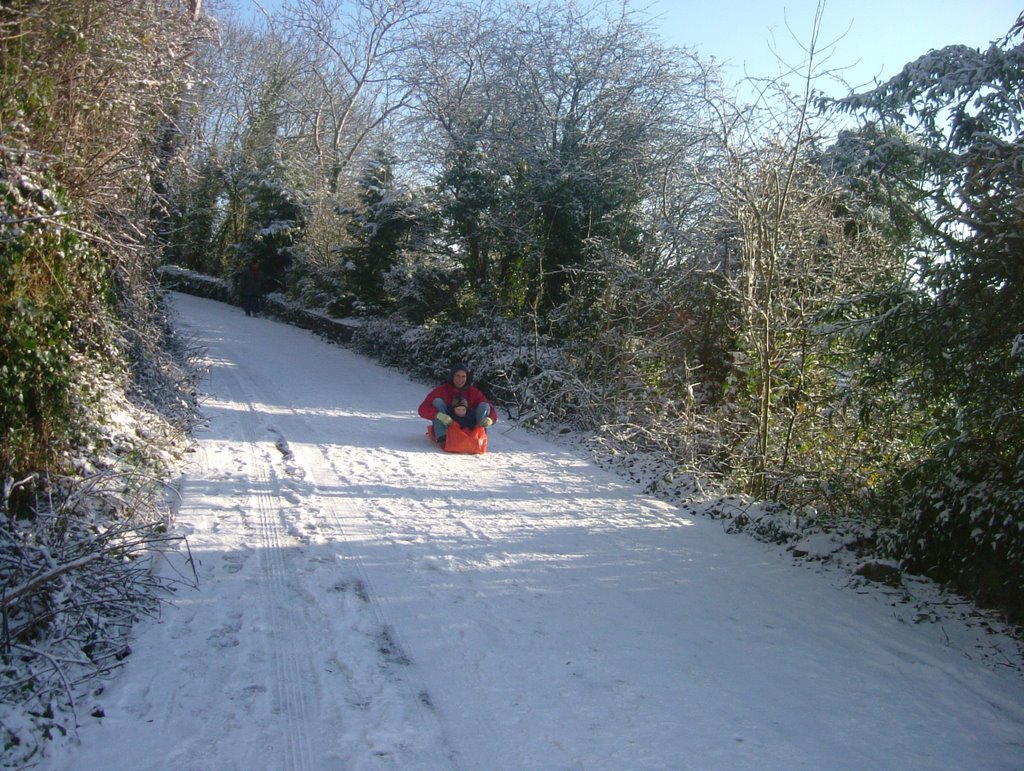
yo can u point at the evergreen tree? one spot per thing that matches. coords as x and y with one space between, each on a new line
952 337
380 228
555 125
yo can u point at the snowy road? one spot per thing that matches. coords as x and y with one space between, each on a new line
368 602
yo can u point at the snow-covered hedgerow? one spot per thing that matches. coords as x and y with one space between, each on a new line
189 281
518 370
95 405
78 538
76 554
965 529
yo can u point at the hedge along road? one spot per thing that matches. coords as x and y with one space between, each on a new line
367 601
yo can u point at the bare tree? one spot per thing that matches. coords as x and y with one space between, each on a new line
351 90
793 257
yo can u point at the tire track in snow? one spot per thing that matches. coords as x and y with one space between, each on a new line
290 665
368 616
365 616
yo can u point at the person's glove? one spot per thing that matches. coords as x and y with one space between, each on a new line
486 422
444 419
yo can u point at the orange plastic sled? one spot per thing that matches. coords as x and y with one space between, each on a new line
457 439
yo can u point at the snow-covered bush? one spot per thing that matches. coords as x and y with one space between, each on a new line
94 402
43 325
964 529
77 537
76 576
188 281
424 286
514 367
947 346
320 287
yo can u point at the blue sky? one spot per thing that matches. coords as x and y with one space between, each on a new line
878 36
873 38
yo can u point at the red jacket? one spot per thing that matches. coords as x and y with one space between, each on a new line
447 391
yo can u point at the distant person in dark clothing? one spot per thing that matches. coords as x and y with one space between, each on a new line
250 287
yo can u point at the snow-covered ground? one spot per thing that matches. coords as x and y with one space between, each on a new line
369 602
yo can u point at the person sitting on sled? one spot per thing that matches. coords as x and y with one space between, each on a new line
436 407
